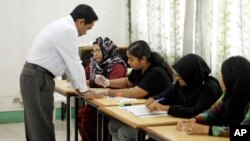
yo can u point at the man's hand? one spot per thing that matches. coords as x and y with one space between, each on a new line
95 95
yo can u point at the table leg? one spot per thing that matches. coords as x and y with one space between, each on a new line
105 133
102 127
140 135
99 126
68 118
76 118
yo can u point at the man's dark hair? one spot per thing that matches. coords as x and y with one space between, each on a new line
85 12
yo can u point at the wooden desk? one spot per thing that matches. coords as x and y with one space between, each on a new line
63 87
170 133
137 122
110 102
100 117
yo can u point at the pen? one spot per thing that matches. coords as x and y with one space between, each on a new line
160 99
121 104
128 104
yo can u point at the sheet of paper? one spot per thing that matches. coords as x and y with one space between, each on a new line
142 110
123 99
147 116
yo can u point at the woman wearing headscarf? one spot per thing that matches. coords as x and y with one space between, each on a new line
107 62
148 67
193 92
150 75
233 108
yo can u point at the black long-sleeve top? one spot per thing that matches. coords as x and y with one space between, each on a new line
188 102
199 93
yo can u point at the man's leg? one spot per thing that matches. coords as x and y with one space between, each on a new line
37 92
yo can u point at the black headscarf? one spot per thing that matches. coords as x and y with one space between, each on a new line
110 58
200 92
236 76
192 69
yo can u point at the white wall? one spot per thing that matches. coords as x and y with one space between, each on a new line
21 20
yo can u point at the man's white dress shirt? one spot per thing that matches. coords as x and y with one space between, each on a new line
55 49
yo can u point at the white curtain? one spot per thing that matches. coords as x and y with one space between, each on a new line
213 29
222 30
160 23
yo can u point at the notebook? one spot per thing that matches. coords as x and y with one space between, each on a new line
142 110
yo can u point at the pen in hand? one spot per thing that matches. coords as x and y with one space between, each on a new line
150 101
159 100
156 106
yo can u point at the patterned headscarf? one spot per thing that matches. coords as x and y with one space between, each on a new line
110 58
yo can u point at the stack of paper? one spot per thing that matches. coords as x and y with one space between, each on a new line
142 110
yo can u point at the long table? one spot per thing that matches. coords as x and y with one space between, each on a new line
106 102
135 122
63 87
170 133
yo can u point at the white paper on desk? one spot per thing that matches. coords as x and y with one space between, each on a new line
159 115
142 110
124 99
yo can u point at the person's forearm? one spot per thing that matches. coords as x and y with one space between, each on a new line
219 131
118 83
127 92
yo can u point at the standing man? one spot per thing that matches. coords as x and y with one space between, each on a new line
53 52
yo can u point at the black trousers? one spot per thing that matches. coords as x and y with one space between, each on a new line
37 88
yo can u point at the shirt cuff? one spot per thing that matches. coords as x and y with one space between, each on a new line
82 88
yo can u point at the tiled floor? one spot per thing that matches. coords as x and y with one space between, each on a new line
15 131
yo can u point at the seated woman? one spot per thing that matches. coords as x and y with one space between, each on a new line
147 69
107 62
233 108
150 75
193 92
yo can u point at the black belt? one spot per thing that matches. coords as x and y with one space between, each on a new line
39 68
